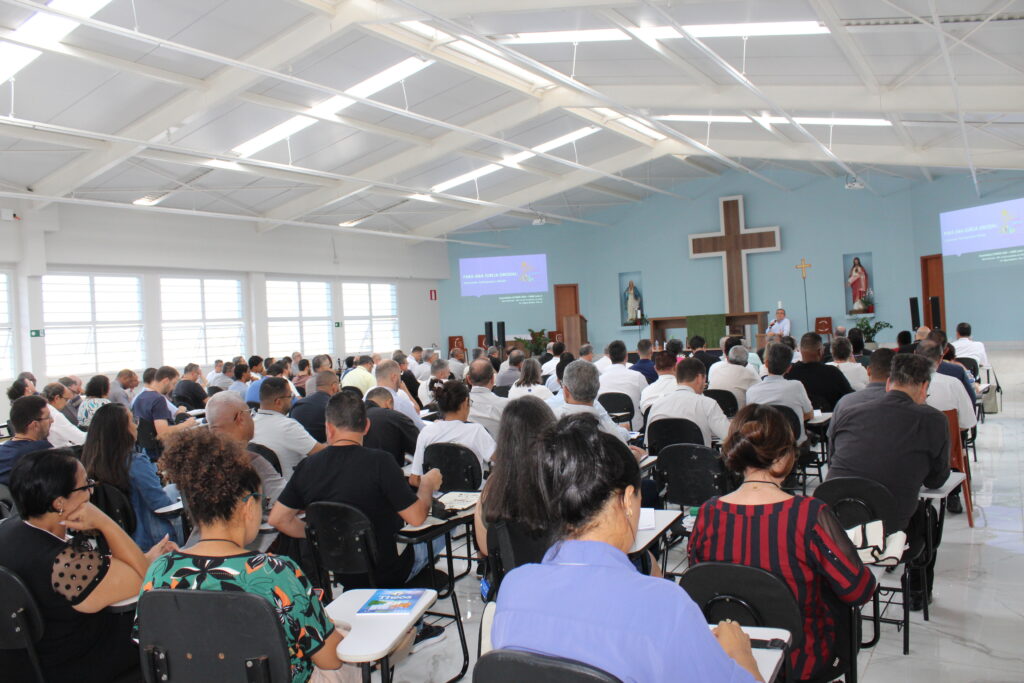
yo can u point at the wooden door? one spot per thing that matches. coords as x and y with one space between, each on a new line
567 302
933 284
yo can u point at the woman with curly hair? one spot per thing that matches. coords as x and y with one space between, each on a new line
224 501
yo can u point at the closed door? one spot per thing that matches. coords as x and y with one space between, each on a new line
933 284
567 302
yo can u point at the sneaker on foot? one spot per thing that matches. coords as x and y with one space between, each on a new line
427 635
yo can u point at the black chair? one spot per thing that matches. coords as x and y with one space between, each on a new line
255 405
509 546
693 474
210 391
22 623
619 406
116 505
460 468
502 390
515 666
267 454
194 637
971 365
662 433
807 458
726 400
792 418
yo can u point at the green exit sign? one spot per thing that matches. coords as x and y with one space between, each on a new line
337 324
37 333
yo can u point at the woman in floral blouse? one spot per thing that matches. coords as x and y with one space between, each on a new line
225 503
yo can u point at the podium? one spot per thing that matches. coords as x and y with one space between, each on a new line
574 332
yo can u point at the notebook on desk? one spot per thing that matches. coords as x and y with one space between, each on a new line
459 500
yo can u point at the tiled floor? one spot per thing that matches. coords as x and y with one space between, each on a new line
976 631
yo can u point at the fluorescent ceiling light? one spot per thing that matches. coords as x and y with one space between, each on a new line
224 165
595 35
43 28
565 139
697 118
474 49
421 197
634 123
150 199
352 223
466 177
769 28
775 120
333 105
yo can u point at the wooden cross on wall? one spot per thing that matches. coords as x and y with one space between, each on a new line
733 242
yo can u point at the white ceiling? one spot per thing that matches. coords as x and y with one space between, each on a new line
136 101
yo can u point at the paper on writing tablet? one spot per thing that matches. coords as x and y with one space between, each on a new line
646 519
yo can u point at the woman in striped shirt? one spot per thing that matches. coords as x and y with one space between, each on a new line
794 537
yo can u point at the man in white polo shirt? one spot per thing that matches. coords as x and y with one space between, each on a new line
272 428
665 366
617 378
966 347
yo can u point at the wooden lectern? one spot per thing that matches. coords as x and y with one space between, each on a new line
574 330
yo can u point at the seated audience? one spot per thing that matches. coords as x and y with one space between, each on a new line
529 382
19 388
361 376
125 381
727 345
775 389
878 375
309 411
619 379
687 402
967 347
554 382
860 354
390 431
510 375
580 384
604 361
74 383
674 347
796 538
587 353
698 350
842 358
586 600
485 407
71 583
388 374
218 369
904 342
549 353
224 498
825 384
548 367
252 393
242 376
154 407
438 374
62 434
494 357
645 363
734 373
302 375
256 366
110 457
457 363
944 392
412 386
453 402
423 369
954 370
188 392
415 358
96 390
30 421
665 366
278 432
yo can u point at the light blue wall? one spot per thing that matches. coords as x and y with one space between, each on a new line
819 219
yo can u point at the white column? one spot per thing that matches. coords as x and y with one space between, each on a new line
152 320
29 285
259 339
338 315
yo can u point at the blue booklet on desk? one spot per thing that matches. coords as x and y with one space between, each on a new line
392 601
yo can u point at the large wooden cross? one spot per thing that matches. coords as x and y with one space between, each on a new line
733 242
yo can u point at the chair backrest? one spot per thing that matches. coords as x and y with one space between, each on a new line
970 364
253 405
619 405
856 500
116 505
747 595
821 403
147 438
665 432
460 468
486 625
726 400
694 474
267 454
21 623
502 390
194 636
342 539
514 666
792 418
509 546
7 507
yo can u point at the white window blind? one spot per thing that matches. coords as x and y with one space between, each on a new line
6 329
299 317
371 317
93 323
202 319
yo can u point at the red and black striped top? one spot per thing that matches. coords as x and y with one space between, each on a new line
800 541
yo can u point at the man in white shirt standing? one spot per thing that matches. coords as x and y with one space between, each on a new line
389 376
688 403
272 428
485 407
665 366
548 369
734 375
966 347
62 432
779 327
618 378
944 392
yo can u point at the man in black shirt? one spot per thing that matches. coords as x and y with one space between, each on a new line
825 384
408 379
188 392
698 347
368 479
390 430
309 411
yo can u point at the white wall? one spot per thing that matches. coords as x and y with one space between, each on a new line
89 240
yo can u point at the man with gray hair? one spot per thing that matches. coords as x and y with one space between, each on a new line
389 376
514 371
422 369
125 381
587 353
74 383
945 392
309 411
439 373
580 385
493 356
485 406
734 375
456 362
775 389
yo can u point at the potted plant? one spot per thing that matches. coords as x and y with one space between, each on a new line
537 342
870 327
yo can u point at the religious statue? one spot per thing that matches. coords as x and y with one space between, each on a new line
632 302
857 281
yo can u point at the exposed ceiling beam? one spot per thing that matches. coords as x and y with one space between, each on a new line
540 191
666 55
325 7
826 12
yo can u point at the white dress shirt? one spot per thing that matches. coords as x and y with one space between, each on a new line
286 437
469 434
779 327
553 385
775 389
604 422
456 367
549 367
485 408
855 373
948 393
966 347
603 363
735 379
686 404
538 390
404 405
62 432
422 372
620 379
664 385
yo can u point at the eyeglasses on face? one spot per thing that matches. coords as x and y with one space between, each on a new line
254 494
90 484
